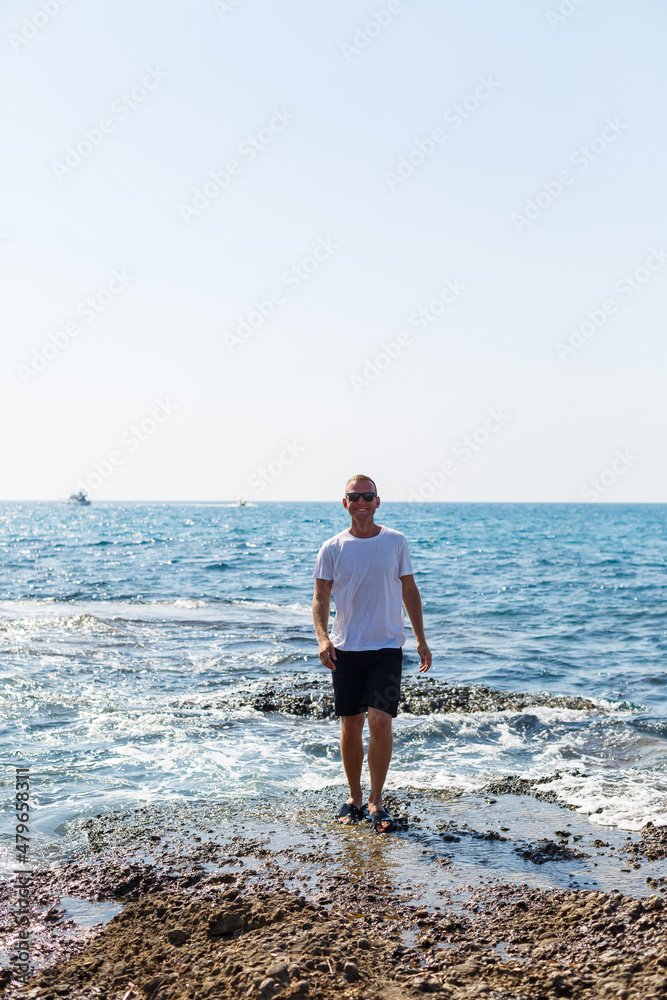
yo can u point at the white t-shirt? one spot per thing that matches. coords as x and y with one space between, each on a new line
367 589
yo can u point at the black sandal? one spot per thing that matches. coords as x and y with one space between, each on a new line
349 809
380 816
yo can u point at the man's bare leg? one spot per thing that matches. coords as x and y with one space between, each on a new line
352 752
380 746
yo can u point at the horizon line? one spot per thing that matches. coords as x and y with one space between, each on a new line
420 503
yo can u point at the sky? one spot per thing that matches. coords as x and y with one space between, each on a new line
250 248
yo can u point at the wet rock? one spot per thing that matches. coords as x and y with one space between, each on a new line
549 850
652 844
303 695
511 784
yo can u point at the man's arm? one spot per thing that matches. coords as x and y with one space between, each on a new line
321 609
413 606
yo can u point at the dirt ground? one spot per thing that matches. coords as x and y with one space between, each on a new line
232 941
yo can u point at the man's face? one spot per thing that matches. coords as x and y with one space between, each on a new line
361 509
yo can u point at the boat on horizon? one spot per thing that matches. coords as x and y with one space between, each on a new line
80 498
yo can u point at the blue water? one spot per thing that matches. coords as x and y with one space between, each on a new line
124 626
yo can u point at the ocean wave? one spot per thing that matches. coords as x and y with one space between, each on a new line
258 605
652 726
122 542
82 622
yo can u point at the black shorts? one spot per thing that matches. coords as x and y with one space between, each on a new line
367 678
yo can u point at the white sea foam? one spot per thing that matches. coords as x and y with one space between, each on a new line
627 799
315 781
261 605
49 605
145 719
159 751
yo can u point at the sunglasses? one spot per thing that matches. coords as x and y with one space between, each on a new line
353 497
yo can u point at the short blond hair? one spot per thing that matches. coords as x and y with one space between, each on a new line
355 479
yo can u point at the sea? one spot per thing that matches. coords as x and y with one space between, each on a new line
126 627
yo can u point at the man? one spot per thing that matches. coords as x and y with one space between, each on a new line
368 569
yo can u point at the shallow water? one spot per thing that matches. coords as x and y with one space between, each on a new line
124 626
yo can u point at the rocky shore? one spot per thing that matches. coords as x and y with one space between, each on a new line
302 695
504 892
214 903
241 940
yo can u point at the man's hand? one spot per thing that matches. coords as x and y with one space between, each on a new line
328 653
413 606
424 656
321 609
